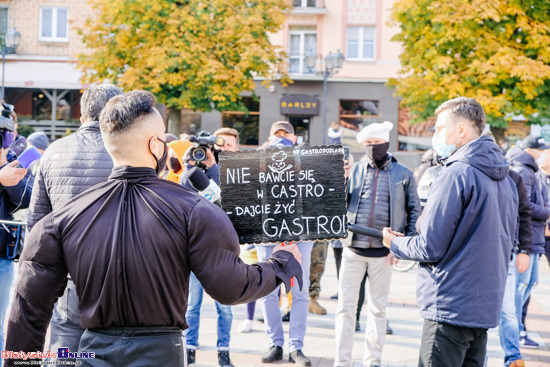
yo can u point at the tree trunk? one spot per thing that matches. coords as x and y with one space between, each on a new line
174 121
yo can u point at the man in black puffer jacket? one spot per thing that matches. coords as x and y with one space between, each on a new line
68 167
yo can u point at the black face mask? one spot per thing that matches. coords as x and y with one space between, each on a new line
161 163
377 152
174 164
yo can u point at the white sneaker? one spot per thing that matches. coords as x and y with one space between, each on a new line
245 326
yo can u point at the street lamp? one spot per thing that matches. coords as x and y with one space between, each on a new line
11 40
333 62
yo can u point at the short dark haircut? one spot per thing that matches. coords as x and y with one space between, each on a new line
465 108
228 131
123 112
95 98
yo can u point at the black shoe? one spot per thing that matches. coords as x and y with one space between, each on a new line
190 357
389 330
260 319
357 326
286 317
274 354
334 296
223 359
299 358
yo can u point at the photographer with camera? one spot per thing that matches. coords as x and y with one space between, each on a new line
205 150
15 193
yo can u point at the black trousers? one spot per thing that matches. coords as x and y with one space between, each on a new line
445 345
146 346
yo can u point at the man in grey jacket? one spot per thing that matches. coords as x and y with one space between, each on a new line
380 191
68 167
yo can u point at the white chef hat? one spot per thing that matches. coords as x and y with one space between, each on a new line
375 130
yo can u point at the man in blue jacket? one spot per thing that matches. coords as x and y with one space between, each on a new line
467 233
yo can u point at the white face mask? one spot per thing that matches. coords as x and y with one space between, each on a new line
541 158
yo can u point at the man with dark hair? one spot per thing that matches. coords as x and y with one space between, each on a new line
129 245
68 167
466 237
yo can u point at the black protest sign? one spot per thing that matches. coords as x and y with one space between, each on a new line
290 194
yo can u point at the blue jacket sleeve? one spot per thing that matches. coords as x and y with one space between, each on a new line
414 209
442 215
20 194
538 212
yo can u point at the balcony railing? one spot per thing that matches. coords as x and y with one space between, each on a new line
309 7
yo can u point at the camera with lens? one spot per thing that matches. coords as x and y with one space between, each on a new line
201 142
6 121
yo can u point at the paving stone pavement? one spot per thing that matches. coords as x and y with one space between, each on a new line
400 349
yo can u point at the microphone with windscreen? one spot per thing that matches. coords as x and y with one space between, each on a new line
205 186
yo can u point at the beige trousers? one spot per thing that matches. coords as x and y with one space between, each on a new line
379 277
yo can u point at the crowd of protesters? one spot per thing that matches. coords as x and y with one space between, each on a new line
110 215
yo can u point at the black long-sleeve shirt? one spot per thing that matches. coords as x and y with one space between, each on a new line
129 245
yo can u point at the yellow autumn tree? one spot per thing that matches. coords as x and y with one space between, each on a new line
496 51
193 54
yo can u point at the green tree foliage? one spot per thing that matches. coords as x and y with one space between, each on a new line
192 54
496 51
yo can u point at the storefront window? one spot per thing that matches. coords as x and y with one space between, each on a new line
417 136
247 124
354 116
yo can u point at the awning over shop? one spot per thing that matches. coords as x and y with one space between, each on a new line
42 75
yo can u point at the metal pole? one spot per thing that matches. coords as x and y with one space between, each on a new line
325 77
3 70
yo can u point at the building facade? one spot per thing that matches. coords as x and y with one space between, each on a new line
356 94
41 79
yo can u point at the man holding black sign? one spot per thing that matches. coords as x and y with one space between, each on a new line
282 134
381 191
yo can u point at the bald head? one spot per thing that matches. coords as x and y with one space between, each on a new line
131 126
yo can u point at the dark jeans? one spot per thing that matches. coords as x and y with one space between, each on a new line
448 345
65 324
160 346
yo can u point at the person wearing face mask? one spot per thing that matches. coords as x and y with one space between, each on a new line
526 160
68 167
132 242
467 232
381 193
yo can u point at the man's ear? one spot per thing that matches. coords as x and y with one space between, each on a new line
82 120
295 139
269 139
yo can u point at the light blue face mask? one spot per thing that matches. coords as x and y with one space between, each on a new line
440 145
